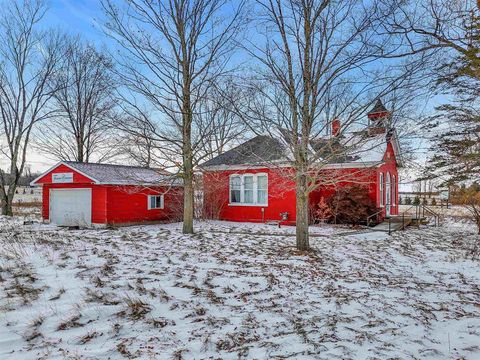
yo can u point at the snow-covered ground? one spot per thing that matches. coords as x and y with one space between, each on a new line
28 195
237 290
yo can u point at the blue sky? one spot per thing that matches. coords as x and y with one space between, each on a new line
76 17
85 17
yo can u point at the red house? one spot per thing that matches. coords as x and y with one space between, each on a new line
80 194
254 181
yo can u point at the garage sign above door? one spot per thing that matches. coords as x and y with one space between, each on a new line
62 178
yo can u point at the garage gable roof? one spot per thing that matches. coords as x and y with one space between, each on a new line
110 174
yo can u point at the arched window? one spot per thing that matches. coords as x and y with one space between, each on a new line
394 191
388 190
382 192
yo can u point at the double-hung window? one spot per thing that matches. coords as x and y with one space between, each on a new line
249 189
155 202
235 189
262 189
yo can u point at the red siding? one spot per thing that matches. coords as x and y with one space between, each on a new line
77 177
98 200
281 190
130 204
344 177
390 166
281 196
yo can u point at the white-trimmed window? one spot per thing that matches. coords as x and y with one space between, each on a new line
235 189
382 190
155 202
394 191
248 189
262 189
388 190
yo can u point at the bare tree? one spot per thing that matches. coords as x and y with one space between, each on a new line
429 25
28 60
320 60
175 50
138 140
85 105
450 29
219 121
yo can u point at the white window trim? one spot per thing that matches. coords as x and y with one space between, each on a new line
388 189
242 190
394 191
382 191
162 202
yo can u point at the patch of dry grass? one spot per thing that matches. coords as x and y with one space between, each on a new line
70 322
135 309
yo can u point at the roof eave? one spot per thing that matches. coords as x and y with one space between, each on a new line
397 149
346 165
271 164
350 165
33 182
139 184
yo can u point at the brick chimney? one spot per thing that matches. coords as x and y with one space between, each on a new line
336 126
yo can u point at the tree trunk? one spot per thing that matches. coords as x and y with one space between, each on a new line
79 150
188 203
302 213
7 208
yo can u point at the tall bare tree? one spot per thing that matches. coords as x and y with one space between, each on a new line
451 30
430 25
320 60
84 102
221 126
139 143
28 60
174 51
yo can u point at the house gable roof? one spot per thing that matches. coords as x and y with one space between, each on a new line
359 149
110 174
259 150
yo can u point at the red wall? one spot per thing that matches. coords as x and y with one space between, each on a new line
344 177
77 177
99 212
281 190
130 204
390 166
281 196
112 204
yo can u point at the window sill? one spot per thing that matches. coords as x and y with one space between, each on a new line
244 204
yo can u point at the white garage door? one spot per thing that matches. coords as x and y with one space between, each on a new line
71 207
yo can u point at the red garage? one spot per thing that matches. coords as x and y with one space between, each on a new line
87 194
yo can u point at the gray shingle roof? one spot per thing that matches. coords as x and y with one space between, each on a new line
353 148
259 150
122 175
